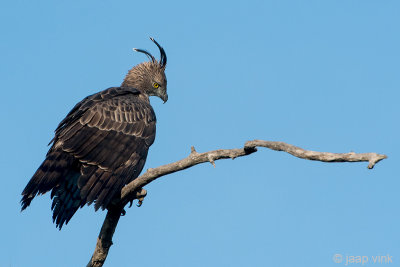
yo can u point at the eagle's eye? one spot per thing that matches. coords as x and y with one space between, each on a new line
156 85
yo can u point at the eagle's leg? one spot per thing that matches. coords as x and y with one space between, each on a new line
140 195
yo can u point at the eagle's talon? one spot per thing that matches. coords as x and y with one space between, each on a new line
130 203
123 212
142 195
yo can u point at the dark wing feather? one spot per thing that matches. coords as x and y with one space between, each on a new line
103 144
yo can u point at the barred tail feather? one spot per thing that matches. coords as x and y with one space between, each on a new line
66 199
49 174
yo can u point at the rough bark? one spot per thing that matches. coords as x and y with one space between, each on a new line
134 190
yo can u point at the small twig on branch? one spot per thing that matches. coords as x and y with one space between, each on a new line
134 190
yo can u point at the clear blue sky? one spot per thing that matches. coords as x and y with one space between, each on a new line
323 75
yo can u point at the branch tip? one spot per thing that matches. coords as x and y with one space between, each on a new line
375 160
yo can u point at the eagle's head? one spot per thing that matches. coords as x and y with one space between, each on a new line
149 77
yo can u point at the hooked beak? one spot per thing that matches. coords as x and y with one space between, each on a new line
164 97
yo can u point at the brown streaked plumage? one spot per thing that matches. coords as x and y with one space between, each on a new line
102 143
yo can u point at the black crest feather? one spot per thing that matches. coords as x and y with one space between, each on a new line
163 55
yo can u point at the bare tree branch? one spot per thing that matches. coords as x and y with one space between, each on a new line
372 158
134 190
